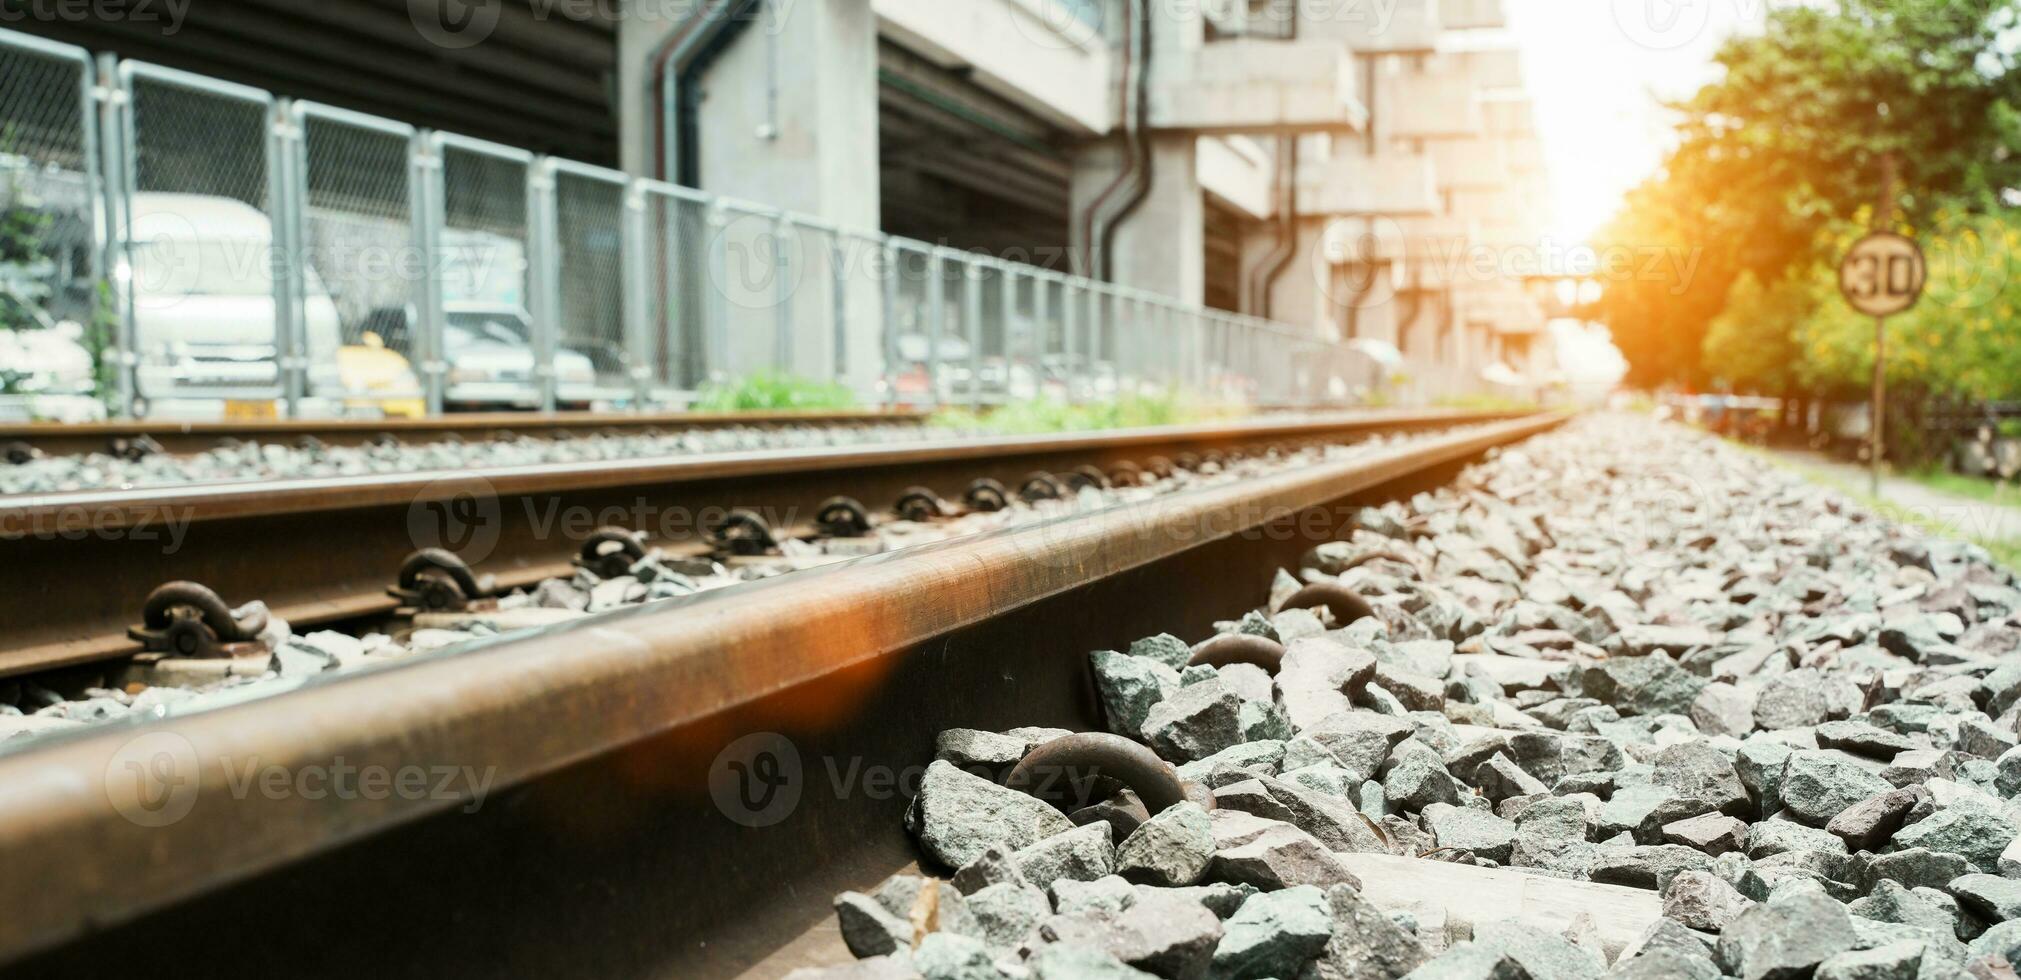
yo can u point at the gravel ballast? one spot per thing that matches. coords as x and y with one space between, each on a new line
1622 652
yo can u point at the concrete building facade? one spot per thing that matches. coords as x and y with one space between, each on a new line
1368 171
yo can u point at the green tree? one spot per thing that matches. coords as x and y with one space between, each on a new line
1781 158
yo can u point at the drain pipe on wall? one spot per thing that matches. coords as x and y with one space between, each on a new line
677 97
1104 216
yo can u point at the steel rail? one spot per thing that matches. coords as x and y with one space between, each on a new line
321 550
608 727
188 437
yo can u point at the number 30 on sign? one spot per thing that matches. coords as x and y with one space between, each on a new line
1883 274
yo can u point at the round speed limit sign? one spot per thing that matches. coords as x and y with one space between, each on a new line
1883 274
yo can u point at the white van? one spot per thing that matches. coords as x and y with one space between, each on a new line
205 322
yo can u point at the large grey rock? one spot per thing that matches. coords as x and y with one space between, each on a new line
2003 939
1195 722
1418 781
1130 686
1888 901
986 754
1713 833
868 928
1278 856
1723 709
951 956
1785 938
1002 915
1358 742
1868 824
1967 827
994 866
1695 770
1646 866
1471 961
1083 854
1105 895
1665 964
1172 849
1263 757
1467 829
1917 867
1645 685
1318 678
1760 762
958 815
1990 897
1163 648
1366 943
1795 699
1275 934
1862 738
1539 953
1702 901
1818 785
1167 934
1071 961
1895 961
1782 836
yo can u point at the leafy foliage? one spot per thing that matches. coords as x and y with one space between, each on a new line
1040 415
1780 161
772 392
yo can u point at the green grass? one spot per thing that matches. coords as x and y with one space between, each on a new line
769 392
1485 403
1041 415
1971 487
2006 551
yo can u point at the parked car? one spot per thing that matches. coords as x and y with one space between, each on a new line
45 371
205 322
488 348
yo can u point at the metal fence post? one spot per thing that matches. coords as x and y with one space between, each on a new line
716 352
427 214
115 128
888 250
1009 289
783 232
287 174
634 275
936 317
838 327
971 305
543 261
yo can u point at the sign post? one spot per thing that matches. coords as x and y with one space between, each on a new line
1882 275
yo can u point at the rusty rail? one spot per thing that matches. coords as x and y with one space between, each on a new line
610 732
324 550
186 437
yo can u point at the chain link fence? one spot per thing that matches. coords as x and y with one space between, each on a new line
53 319
200 248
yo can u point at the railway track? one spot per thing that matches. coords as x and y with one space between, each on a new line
587 752
187 437
323 551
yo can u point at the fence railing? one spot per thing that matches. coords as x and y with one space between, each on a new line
208 246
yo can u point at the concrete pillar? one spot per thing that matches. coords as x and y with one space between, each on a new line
1161 247
788 119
